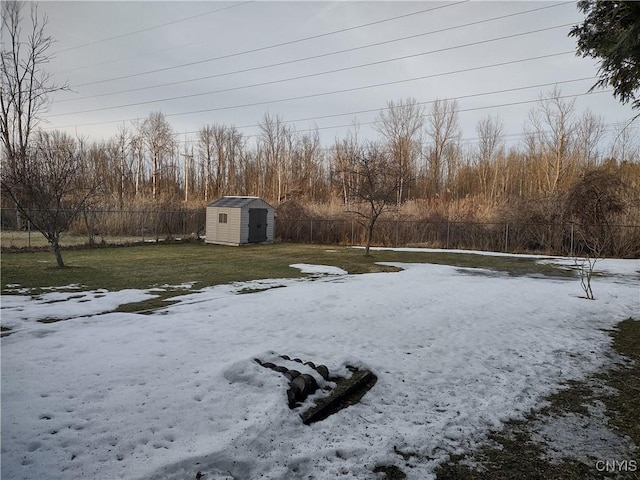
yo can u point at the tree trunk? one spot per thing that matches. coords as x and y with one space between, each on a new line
367 247
154 176
90 233
55 243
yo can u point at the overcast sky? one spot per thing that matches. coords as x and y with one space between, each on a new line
232 62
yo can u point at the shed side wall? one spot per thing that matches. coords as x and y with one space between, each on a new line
210 225
226 233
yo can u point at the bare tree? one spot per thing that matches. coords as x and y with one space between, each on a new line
45 178
490 148
122 144
401 126
205 154
306 170
343 167
137 153
551 135
159 138
275 144
220 146
594 201
589 133
376 181
625 146
25 85
49 186
117 173
444 130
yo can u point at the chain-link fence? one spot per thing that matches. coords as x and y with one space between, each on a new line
123 227
560 239
108 226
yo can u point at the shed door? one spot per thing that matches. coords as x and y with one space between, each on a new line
257 225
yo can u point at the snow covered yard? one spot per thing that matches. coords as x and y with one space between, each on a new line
167 395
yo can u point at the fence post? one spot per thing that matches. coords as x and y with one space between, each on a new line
29 229
448 229
397 232
352 233
571 247
506 238
311 232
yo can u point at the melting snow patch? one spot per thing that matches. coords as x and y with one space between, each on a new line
319 269
626 269
122 395
181 286
19 311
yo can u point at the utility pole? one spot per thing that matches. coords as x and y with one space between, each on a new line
188 157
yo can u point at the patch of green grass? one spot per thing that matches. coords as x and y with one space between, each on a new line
624 407
145 266
512 454
163 299
574 398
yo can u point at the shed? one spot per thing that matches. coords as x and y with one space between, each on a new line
240 220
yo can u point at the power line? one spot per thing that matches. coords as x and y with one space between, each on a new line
462 110
314 57
348 90
260 49
371 110
115 37
311 75
254 104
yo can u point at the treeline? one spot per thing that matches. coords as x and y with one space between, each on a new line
145 162
440 178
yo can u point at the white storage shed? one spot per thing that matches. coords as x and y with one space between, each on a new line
240 220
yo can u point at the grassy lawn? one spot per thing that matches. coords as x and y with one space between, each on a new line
144 266
158 264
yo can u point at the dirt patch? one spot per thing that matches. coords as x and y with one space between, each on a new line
5 331
248 290
52 320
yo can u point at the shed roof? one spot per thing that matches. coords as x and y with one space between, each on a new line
237 202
